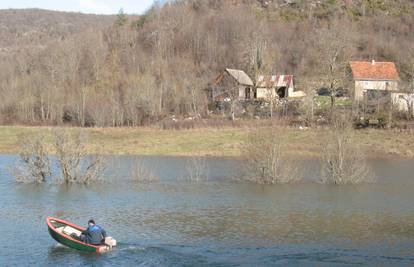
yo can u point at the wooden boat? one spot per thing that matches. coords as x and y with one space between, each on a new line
62 230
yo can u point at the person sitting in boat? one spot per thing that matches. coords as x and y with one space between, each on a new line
94 234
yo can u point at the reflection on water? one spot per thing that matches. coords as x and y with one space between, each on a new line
216 222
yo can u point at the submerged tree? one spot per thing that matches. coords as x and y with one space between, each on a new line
196 169
266 160
343 162
141 173
75 165
34 164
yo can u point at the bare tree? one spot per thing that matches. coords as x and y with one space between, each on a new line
308 103
141 173
266 159
75 165
256 48
409 102
343 162
196 169
408 98
408 87
97 73
33 165
195 84
229 89
332 44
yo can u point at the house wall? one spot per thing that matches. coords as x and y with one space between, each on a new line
264 93
295 94
229 87
242 92
362 85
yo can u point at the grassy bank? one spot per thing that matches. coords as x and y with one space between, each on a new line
225 141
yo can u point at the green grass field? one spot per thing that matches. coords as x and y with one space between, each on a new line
208 141
324 102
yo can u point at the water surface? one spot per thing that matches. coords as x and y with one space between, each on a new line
218 222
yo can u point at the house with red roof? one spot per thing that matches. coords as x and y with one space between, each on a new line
373 78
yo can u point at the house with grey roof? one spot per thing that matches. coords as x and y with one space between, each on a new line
233 84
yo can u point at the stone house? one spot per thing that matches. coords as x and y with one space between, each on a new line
276 86
233 84
372 79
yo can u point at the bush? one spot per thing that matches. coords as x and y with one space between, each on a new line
142 174
75 165
33 165
196 169
266 161
342 159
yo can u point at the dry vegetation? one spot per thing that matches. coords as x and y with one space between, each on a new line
76 167
86 70
266 160
220 142
196 169
142 174
342 160
33 165
75 164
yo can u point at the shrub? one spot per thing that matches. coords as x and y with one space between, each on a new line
142 174
33 165
74 164
266 161
342 159
196 169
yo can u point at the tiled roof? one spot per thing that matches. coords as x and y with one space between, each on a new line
374 70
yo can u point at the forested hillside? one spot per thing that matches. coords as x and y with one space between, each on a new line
29 29
118 70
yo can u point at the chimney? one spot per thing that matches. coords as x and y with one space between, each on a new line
373 62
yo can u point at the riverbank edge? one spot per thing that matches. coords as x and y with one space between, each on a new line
226 142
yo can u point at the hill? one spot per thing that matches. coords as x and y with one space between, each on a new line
120 70
29 28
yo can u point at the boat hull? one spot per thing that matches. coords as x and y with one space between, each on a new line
66 240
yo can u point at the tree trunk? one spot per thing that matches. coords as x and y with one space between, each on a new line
42 109
332 103
232 109
271 107
390 111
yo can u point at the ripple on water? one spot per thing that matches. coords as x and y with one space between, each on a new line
218 222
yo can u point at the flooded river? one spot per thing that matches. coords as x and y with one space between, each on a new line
218 222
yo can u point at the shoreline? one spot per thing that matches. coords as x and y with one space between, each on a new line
225 142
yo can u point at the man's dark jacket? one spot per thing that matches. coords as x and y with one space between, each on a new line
94 235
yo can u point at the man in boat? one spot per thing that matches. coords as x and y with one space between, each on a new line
94 234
